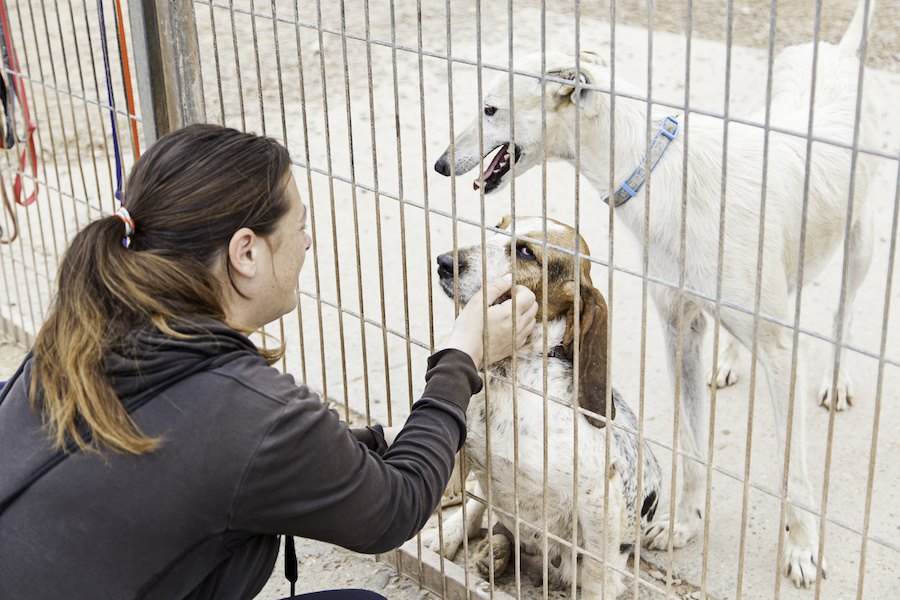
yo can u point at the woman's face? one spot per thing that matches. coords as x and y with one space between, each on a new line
289 243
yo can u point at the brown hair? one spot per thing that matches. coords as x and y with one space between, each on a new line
187 195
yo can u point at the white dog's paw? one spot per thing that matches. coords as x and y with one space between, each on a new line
844 397
801 564
452 541
727 375
613 587
656 535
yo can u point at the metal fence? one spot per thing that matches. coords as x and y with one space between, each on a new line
368 94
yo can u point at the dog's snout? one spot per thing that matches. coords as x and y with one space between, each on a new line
445 266
442 165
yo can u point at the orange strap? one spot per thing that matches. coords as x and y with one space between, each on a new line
29 151
129 95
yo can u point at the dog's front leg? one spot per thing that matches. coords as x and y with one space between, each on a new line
602 533
800 561
693 424
449 538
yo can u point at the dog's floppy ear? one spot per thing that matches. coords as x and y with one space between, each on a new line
592 351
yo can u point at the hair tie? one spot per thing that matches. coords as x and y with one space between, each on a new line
125 217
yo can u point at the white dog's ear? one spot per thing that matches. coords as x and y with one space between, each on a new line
587 99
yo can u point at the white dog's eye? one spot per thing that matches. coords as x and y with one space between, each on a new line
524 252
490 110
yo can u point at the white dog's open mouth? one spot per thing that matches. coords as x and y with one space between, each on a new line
498 167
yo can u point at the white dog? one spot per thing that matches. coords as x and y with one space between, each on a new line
599 516
682 313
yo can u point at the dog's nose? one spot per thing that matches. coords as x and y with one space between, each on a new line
442 165
445 266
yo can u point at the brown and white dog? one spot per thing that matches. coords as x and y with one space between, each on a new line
603 515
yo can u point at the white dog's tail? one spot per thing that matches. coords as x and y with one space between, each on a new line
853 38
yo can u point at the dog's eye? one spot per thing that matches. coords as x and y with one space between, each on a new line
524 252
490 110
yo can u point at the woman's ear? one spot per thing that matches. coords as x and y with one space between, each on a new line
243 253
592 351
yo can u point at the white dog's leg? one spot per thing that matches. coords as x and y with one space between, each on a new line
801 561
455 528
594 584
859 248
726 370
693 424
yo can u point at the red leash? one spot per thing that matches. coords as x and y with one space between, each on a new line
29 151
126 75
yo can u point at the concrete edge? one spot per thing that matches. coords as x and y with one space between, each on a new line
449 584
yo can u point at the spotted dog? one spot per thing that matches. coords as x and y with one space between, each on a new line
600 518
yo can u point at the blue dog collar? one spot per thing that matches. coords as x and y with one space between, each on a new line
665 133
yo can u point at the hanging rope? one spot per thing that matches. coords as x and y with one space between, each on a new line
11 63
112 103
126 75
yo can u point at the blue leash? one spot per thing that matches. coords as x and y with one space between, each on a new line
112 104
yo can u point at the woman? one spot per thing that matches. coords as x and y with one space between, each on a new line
147 448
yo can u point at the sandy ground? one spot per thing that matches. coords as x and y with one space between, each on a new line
370 310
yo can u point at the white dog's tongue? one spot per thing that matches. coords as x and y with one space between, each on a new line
495 167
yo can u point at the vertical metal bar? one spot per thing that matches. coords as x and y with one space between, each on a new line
515 363
717 329
70 94
757 298
545 548
353 199
645 270
259 87
215 42
61 125
576 363
237 65
38 143
876 419
284 138
108 194
378 238
330 170
428 273
87 119
310 203
607 400
842 304
448 14
167 65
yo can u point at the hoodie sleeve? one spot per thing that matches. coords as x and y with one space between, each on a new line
312 477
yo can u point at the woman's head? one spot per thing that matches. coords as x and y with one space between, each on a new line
211 206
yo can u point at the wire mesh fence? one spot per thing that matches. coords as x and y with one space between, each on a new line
368 94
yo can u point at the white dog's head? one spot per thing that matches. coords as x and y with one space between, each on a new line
529 147
530 257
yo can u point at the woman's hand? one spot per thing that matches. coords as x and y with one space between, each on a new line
502 338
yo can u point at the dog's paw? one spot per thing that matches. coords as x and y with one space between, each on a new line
656 535
801 564
613 587
431 539
725 376
502 549
844 397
